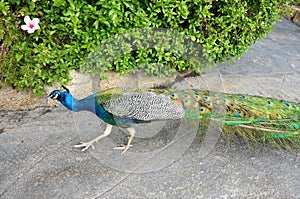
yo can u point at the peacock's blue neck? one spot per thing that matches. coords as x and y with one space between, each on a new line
86 104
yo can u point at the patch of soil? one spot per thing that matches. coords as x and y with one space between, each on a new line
11 99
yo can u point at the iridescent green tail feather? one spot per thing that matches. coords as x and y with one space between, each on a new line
256 119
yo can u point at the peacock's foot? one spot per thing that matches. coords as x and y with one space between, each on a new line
85 145
128 145
124 148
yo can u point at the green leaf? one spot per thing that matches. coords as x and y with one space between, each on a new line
4 7
18 57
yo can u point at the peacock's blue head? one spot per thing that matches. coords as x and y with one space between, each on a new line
63 97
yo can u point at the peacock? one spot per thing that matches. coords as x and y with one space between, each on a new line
254 118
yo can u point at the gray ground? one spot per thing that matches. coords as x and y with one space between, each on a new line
37 159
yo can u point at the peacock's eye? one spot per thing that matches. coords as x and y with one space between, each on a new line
54 95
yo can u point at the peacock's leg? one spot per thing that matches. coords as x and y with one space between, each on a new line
128 145
86 145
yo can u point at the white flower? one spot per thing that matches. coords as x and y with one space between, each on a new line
34 0
31 25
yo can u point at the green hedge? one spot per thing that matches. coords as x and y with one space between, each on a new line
71 30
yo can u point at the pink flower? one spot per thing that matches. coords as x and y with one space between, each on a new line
31 25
